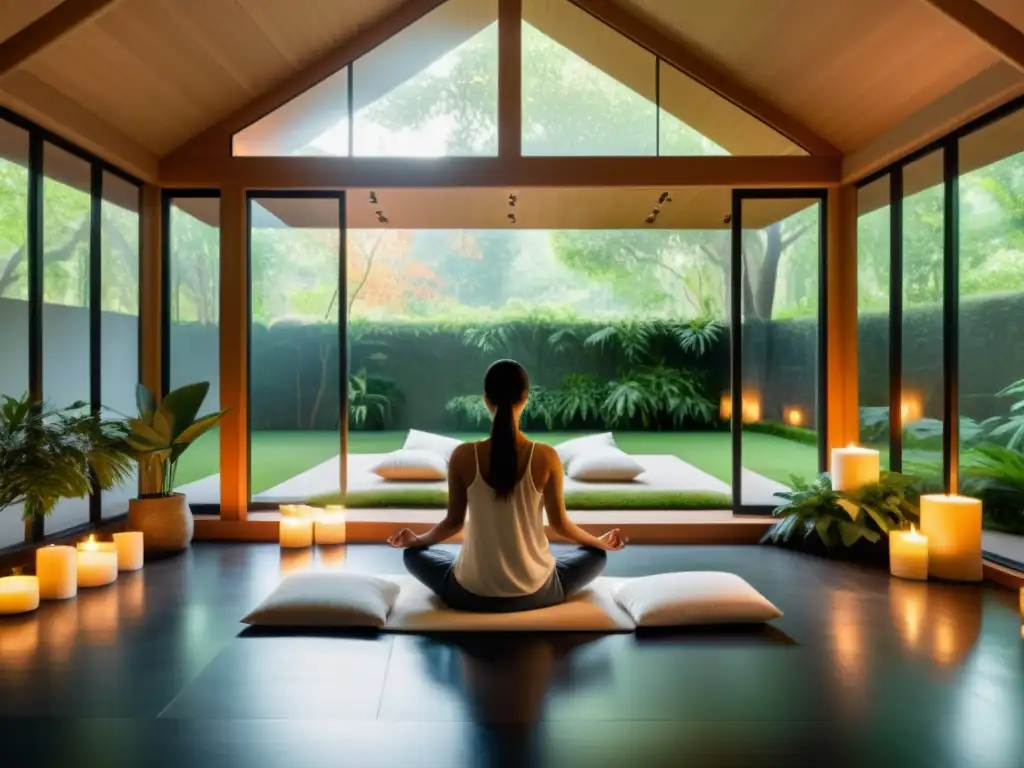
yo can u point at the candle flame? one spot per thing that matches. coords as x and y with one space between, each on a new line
90 543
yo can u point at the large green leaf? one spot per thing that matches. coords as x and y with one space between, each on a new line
182 405
145 401
198 427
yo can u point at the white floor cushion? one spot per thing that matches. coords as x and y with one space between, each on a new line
428 441
327 600
411 464
593 609
697 597
570 449
604 465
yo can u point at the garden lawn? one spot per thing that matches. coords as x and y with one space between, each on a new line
280 455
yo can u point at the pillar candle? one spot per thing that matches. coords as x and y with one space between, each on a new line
18 594
854 467
130 550
57 571
908 555
97 563
296 532
329 527
953 527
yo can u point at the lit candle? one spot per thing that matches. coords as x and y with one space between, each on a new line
18 594
908 554
953 527
793 416
854 467
130 550
57 571
296 532
330 526
97 563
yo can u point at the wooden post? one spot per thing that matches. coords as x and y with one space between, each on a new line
510 76
151 305
843 406
234 354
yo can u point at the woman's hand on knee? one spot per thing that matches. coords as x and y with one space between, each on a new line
613 540
403 539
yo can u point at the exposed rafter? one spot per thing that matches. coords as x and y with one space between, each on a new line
694 65
48 29
512 173
215 141
991 29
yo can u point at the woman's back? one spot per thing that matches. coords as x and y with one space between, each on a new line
505 551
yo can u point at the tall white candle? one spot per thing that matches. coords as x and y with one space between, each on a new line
953 527
330 526
57 571
18 594
908 555
130 550
296 532
97 563
854 467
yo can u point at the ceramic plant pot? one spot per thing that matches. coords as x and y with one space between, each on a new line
165 522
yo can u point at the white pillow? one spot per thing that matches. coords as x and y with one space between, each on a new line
427 441
411 465
605 465
698 597
570 449
327 600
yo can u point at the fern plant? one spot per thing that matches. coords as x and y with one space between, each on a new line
365 405
995 475
48 454
698 336
578 400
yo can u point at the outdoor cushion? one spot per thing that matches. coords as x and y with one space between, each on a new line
327 600
408 464
428 441
607 465
697 597
570 449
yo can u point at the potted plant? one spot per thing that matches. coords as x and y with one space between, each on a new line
159 436
47 454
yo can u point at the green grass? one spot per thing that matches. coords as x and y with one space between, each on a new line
278 456
420 498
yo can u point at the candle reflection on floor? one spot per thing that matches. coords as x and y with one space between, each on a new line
19 644
98 615
296 560
332 556
939 622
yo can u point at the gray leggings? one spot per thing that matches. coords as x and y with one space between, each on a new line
573 571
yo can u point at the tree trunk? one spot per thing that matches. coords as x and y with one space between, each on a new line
764 299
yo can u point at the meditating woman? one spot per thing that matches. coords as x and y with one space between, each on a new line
496 490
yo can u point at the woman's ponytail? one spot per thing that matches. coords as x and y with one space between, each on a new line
506 385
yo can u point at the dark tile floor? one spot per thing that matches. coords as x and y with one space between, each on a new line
862 670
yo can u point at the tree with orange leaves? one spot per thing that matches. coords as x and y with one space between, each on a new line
381 274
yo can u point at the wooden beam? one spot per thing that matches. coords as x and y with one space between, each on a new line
234 354
843 406
48 29
982 93
514 173
706 73
215 141
151 277
510 78
991 29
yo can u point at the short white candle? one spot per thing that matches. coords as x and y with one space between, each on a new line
330 526
908 555
296 532
97 563
854 467
57 571
130 550
18 594
953 527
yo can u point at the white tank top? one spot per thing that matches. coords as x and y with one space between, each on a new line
505 551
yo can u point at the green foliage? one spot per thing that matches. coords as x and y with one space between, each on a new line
995 474
699 336
796 434
1013 427
844 518
47 455
434 498
579 400
162 432
369 401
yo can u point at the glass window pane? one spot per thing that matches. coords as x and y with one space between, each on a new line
119 322
587 90
873 270
314 123
781 252
194 291
13 288
295 393
991 376
66 348
432 89
923 278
